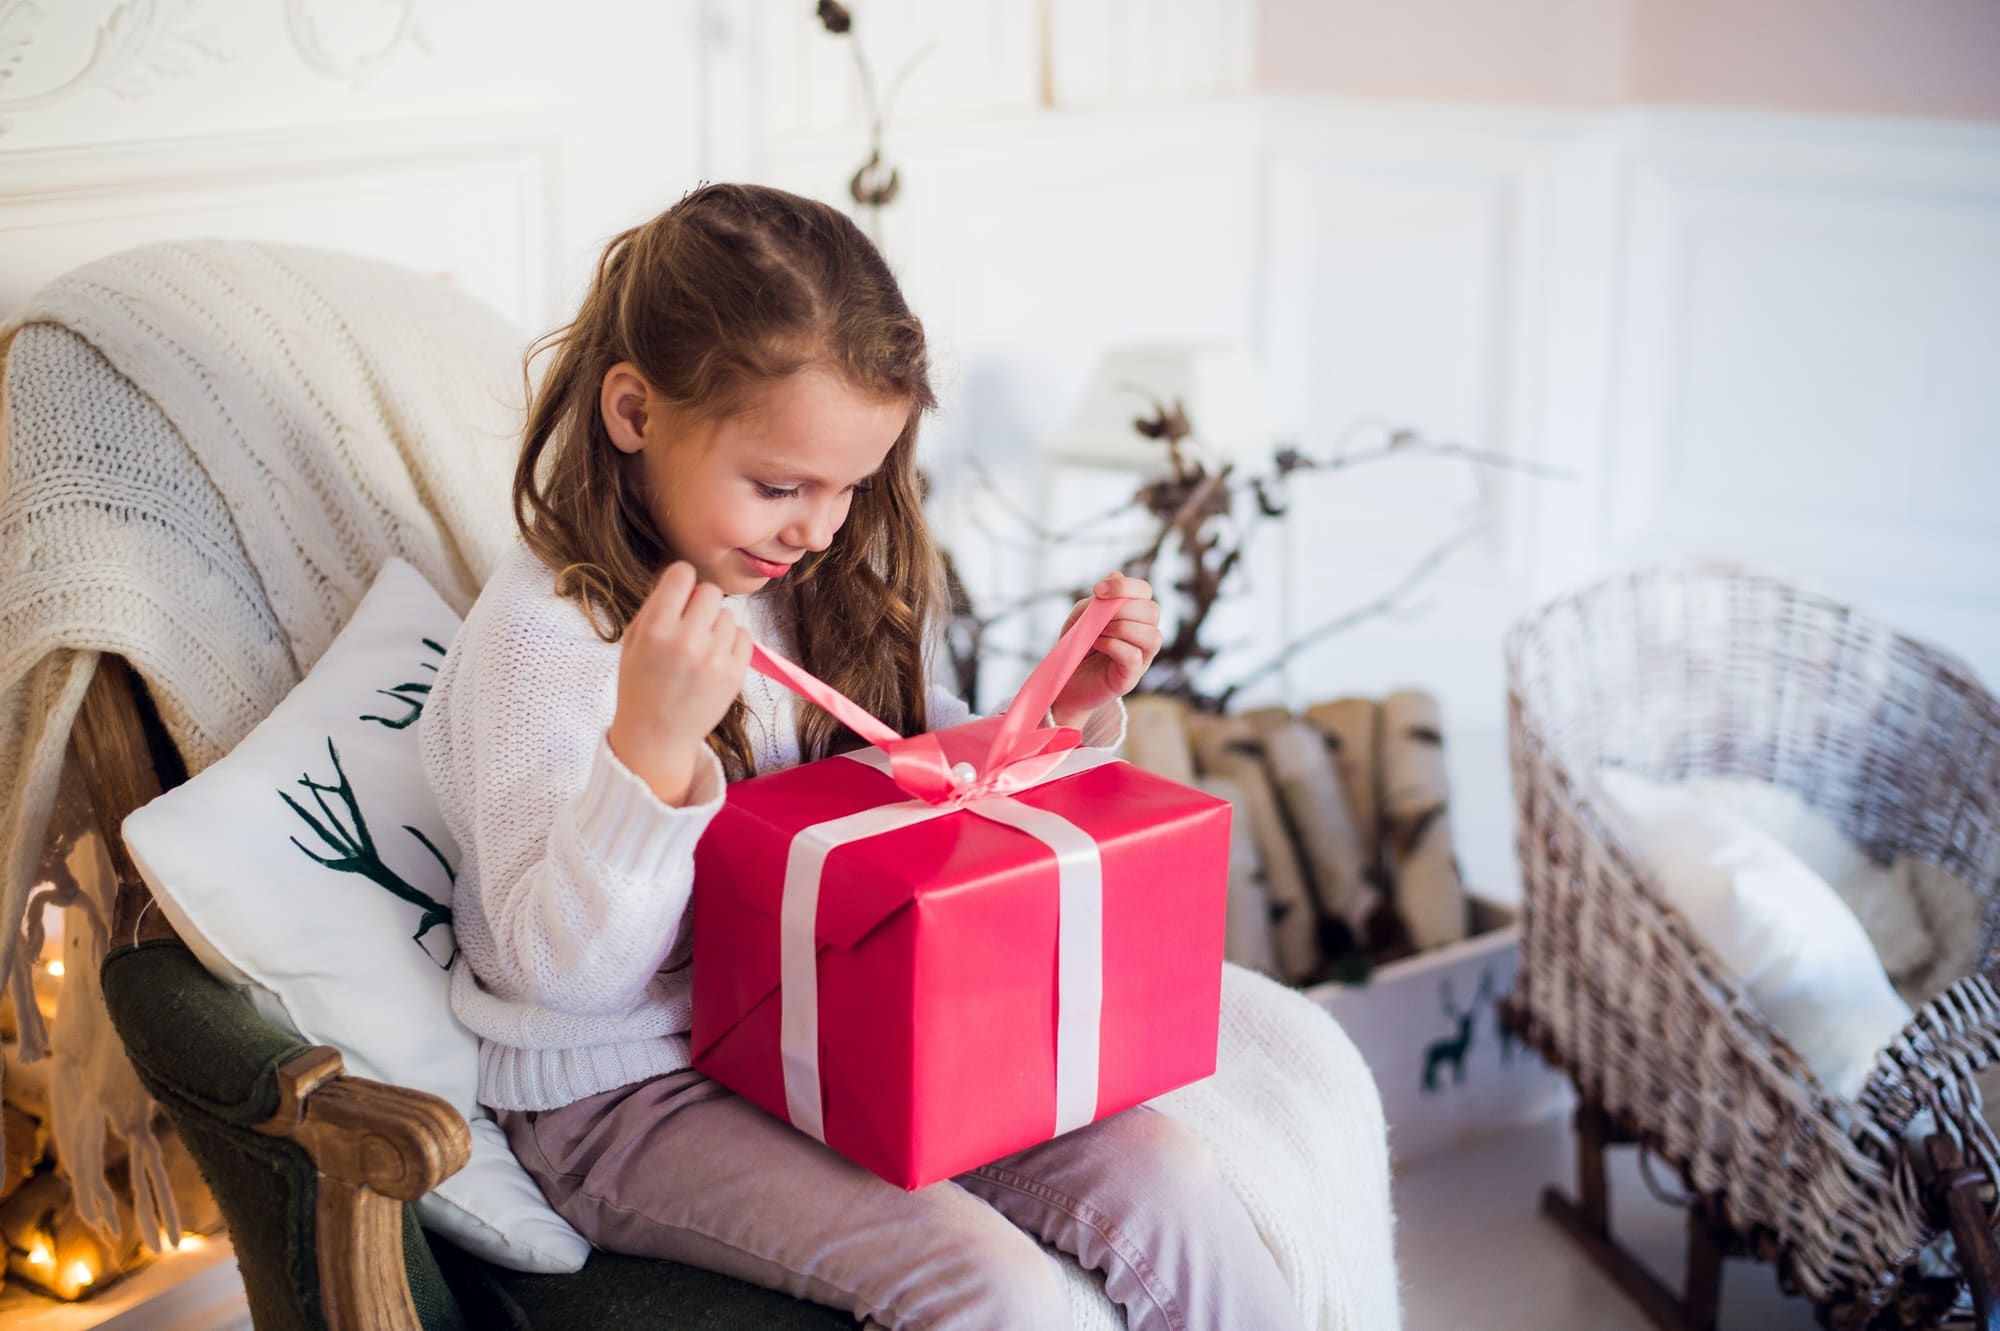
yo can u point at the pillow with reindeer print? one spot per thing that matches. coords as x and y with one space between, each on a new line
311 870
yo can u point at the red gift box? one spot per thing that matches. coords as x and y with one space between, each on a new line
1030 943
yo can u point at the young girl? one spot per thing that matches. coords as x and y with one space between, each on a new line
723 449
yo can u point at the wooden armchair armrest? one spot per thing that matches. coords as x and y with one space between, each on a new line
376 1147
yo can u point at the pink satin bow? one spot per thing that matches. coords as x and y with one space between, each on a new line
1023 751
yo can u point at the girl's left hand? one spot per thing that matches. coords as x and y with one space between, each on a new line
1120 656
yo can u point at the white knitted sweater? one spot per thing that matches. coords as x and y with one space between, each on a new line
571 904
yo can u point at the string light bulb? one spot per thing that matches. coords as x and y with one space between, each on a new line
56 969
80 1274
190 1241
39 1254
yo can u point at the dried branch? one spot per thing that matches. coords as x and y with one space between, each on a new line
1182 505
1385 604
869 186
1407 443
1089 529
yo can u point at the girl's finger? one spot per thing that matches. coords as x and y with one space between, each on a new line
1125 654
1115 585
1138 612
1142 636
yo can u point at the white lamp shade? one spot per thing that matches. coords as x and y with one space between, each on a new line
1219 386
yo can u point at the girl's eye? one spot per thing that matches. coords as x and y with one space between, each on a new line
862 487
775 492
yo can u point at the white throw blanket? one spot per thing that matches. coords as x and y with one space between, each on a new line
209 451
281 421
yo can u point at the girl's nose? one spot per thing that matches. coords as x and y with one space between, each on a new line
814 530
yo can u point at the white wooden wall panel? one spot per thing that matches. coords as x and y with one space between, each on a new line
1807 364
413 194
1407 280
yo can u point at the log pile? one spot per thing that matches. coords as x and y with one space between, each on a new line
1343 856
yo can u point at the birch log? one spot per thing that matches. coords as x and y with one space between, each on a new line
1247 928
1228 747
1416 821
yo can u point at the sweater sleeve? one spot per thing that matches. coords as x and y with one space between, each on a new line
580 875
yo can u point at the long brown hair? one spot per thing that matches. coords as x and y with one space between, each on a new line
732 289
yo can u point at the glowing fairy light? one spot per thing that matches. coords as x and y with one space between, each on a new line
190 1241
56 969
39 1254
80 1274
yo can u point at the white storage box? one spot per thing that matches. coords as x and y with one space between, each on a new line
1429 1027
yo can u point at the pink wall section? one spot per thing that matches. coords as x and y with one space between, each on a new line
1552 51
1916 57
1891 57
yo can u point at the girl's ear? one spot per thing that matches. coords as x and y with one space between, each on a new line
624 400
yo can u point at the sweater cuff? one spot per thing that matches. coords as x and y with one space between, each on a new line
629 829
1106 727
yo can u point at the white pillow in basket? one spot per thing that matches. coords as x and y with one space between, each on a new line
311 870
1772 922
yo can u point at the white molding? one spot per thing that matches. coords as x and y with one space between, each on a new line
136 42
46 173
357 67
136 192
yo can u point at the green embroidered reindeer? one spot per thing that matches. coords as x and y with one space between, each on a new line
412 695
354 851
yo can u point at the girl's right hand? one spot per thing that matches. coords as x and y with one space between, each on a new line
680 668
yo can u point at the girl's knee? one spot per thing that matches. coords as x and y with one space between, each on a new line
1170 1158
1014 1285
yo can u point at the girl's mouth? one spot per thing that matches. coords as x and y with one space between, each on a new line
764 567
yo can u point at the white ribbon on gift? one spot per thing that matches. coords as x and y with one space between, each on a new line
1079 936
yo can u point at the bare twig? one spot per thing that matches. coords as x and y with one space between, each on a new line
1403 443
1388 603
873 184
1087 529
1183 504
902 77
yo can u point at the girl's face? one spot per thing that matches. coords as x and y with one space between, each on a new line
742 498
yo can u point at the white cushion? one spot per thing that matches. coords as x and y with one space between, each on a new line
310 869
1774 924
1882 900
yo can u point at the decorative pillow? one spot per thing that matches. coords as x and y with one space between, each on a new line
1773 923
311 870
1883 901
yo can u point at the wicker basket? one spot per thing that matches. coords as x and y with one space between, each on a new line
1708 671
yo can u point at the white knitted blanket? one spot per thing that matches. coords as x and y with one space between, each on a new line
209 451
281 421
